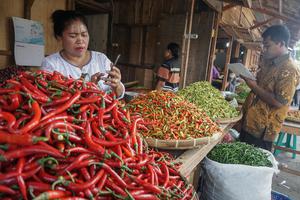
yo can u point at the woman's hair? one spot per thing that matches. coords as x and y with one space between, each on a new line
63 18
174 48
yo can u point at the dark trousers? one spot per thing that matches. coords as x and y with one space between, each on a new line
257 142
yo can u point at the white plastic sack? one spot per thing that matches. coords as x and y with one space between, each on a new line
237 182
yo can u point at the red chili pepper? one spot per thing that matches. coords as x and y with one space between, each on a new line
76 162
19 139
7 190
113 174
102 182
20 179
38 186
21 120
33 122
52 194
115 187
26 151
64 107
11 120
92 99
165 171
32 88
145 197
90 143
82 186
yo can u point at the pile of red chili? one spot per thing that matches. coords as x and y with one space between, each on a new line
169 116
62 138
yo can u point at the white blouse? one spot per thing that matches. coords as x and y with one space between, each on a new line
98 63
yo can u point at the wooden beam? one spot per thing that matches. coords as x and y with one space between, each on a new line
228 56
93 5
274 14
214 36
5 53
286 149
188 42
27 8
229 6
70 4
280 8
257 25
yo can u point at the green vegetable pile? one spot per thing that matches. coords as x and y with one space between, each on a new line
208 98
239 153
242 92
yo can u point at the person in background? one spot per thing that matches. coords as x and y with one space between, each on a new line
168 74
271 94
215 74
75 60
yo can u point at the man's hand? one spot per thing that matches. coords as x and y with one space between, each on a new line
251 83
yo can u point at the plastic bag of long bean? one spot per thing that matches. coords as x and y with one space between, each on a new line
241 172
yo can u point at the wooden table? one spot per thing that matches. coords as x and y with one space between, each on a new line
191 158
291 128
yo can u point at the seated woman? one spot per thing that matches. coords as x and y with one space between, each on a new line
75 60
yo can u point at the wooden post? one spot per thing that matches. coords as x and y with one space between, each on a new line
228 55
188 43
183 49
27 8
213 45
236 50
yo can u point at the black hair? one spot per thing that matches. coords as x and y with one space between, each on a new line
278 33
174 48
63 18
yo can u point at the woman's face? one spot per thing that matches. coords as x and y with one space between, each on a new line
75 39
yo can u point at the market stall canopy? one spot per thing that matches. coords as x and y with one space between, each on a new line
247 19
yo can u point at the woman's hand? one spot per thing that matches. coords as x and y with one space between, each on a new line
113 80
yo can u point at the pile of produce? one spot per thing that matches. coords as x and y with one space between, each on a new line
242 92
171 117
293 115
204 95
239 153
63 138
9 72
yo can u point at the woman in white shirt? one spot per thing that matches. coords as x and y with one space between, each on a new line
75 60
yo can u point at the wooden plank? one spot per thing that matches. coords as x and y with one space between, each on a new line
228 56
257 25
215 5
200 48
5 53
228 6
191 158
286 149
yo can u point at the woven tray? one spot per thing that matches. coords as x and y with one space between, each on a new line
181 144
229 120
292 119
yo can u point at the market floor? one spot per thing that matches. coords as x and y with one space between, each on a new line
286 183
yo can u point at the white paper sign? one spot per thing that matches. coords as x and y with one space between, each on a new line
29 42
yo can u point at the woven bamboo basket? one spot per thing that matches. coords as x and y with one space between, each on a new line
181 144
229 120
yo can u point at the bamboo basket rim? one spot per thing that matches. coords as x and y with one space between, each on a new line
229 120
182 144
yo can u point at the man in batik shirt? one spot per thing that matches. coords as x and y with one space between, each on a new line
271 94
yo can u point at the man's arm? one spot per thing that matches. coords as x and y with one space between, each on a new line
159 85
263 94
